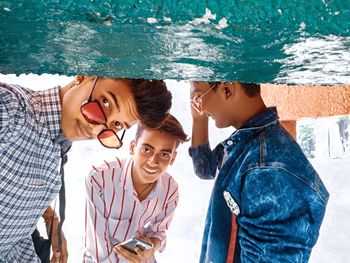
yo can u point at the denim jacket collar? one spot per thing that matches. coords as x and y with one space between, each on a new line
251 127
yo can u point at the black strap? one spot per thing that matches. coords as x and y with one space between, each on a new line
62 197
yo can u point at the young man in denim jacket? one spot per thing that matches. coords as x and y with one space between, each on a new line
268 202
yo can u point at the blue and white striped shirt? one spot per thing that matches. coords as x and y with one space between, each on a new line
30 146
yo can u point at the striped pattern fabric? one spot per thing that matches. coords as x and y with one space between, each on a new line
30 142
114 212
233 240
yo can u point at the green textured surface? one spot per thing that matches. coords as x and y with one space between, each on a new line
299 42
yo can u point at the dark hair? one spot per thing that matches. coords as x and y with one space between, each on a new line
214 83
152 99
251 89
169 126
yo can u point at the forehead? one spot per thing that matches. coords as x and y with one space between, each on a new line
121 93
115 85
158 140
199 85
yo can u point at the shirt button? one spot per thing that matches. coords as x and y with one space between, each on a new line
229 143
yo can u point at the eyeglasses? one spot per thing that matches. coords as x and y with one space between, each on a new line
197 102
94 114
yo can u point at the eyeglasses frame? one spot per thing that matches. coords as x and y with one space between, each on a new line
90 100
196 101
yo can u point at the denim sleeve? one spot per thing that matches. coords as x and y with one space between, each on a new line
280 217
205 161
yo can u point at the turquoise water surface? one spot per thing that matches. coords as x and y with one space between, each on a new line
296 42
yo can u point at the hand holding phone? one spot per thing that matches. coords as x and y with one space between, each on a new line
134 242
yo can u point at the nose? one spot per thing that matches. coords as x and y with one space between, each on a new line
152 160
96 129
114 125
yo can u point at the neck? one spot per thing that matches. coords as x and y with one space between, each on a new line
250 108
63 90
142 189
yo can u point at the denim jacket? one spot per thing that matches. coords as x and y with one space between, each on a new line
267 203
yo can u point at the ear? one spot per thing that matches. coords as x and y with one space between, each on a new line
229 90
132 147
78 79
173 158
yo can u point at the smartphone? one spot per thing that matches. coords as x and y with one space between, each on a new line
134 242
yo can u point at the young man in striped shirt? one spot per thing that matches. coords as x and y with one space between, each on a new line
134 196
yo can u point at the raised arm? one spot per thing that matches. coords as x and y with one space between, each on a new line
205 161
199 125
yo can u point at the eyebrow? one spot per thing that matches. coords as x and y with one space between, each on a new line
115 100
165 150
126 125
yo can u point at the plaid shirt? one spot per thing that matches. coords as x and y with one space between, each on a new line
30 146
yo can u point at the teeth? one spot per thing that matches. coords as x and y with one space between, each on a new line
151 171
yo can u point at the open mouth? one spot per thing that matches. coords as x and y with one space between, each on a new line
150 171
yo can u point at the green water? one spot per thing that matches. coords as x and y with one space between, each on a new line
297 42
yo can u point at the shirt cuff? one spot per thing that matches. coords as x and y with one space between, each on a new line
162 240
197 151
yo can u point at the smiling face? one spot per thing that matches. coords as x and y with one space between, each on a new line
115 98
153 152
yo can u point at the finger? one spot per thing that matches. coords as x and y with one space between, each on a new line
56 257
139 251
131 256
123 251
194 94
197 106
56 260
119 250
64 259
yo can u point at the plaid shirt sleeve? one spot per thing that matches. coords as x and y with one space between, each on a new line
7 106
29 159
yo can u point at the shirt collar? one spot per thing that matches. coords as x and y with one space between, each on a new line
252 126
127 184
125 179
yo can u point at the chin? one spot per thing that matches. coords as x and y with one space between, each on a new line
150 178
219 125
70 136
70 132
78 139
147 178
73 137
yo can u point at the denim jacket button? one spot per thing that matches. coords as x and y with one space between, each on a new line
229 143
